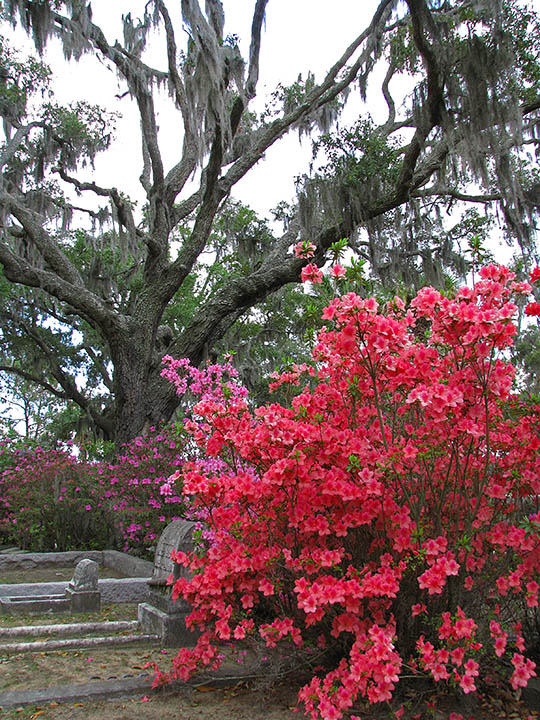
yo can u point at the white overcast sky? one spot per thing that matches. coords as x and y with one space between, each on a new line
298 36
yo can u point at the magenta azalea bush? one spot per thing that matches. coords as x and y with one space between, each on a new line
132 487
49 500
385 524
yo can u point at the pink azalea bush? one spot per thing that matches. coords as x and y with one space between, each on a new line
135 485
384 523
49 502
131 487
215 383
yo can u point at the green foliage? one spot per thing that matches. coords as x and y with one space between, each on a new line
527 357
19 81
402 51
523 27
287 98
82 130
358 155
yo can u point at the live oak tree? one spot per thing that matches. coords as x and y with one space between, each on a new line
103 290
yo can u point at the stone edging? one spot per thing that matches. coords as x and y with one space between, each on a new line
107 690
66 629
111 589
130 589
76 643
119 561
98 690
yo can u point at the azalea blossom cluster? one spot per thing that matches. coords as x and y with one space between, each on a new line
311 272
533 308
212 386
131 486
304 249
217 382
383 512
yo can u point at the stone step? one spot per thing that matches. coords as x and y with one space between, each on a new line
67 629
16 604
12 550
76 643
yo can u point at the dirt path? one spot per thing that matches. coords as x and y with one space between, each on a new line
191 704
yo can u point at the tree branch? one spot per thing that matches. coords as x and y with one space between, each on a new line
69 389
19 270
177 177
15 142
34 379
50 251
456 195
137 76
255 48
434 102
81 186
100 365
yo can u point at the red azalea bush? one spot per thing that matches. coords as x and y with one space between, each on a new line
385 523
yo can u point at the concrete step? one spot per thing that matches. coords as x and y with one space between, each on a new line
75 643
67 629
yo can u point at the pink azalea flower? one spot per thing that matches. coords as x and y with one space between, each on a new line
311 273
337 271
304 249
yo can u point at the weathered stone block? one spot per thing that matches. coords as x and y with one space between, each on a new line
171 627
84 601
160 615
85 577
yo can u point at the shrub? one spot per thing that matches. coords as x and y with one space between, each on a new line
48 501
382 523
131 487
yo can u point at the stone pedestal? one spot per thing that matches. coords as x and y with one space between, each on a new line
82 591
171 627
84 601
160 615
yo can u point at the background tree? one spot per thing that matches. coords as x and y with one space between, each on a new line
105 292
